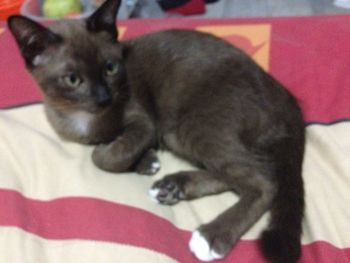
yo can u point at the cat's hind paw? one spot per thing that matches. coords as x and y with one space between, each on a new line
200 246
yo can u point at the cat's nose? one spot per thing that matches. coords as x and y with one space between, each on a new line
103 97
105 101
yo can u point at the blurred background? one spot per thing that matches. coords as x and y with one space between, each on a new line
245 8
43 9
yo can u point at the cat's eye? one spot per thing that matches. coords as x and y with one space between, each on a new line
111 69
72 80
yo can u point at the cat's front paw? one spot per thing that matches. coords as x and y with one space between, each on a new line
168 190
105 158
208 247
149 163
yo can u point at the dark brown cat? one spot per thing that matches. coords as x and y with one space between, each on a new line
188 92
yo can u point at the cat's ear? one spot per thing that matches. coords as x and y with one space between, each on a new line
103 19
31 37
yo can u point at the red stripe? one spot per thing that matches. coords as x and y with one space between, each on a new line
95 219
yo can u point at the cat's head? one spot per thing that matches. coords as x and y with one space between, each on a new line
77 63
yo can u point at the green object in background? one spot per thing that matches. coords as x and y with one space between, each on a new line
61 8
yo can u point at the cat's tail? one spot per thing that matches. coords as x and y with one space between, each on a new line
281 242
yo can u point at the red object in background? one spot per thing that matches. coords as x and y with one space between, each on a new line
244 44
32 9
9 7
190 8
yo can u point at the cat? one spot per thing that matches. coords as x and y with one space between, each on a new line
191 93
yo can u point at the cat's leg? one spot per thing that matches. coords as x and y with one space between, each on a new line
149 163
215 239
122 153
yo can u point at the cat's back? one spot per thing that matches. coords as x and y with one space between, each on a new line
190 71
186 45
173 61
182 63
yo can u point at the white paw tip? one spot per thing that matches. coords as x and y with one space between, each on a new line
153 193
156 165
200 247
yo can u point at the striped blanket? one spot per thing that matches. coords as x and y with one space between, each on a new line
55 206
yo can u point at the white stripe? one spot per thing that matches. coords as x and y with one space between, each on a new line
17 246
34 161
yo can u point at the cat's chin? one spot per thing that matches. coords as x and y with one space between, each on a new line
92 141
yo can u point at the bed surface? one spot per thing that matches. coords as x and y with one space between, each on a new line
55 206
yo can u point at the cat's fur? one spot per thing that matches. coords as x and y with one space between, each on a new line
188 92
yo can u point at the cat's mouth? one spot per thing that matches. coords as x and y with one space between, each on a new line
102 107
98 109
104 101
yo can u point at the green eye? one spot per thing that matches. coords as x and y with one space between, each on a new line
72 80
111 69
